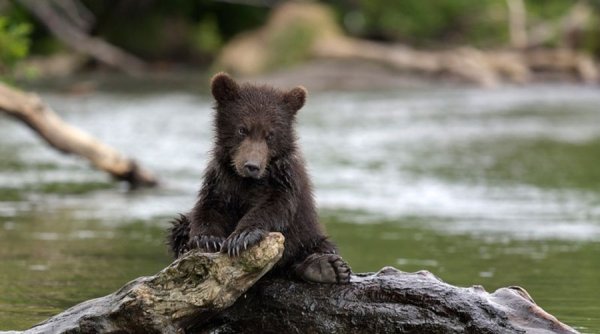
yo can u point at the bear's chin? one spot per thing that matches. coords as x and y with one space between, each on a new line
258 177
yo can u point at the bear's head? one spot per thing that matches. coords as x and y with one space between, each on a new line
254 124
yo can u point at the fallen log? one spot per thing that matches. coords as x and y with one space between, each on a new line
211 293
190 290
389 301
262 50
32 111
486 68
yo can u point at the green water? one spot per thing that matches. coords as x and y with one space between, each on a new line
562 277
51 262
496 188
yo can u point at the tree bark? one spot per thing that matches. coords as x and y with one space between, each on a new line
389 301
30 109
210 293
191 290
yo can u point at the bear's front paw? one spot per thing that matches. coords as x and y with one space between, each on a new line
208 243
239 241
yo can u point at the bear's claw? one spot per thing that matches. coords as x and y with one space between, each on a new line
239 241
207 243
325 268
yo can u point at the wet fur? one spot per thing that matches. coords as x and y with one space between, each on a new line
234 211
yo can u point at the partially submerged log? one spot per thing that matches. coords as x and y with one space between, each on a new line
210 293
389 301
32 111
190 290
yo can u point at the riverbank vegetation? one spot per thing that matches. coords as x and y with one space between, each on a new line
54 38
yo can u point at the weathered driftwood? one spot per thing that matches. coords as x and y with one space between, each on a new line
30 109
487 68
258 51
191 290
389 301
198 292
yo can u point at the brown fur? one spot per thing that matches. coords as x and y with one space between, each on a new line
251 151
256 182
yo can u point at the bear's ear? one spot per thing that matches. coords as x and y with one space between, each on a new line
224 88
295 98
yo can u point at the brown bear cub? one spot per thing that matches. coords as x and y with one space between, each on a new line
256 183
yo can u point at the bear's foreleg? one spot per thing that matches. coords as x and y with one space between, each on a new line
179 235
271 216
185 235
207 229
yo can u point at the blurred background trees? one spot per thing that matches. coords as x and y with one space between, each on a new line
15 39
170 33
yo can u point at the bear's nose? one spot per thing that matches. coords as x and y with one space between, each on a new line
251 169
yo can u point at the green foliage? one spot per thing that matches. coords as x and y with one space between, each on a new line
141 35
291 45
181 30
591 38
422 22
553 11
548 10
174 30
433 23
14 42
206 37
233 19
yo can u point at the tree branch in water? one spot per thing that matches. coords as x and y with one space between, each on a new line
38 116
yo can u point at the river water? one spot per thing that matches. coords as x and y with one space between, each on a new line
494 187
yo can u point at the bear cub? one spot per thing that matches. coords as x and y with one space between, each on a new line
256 182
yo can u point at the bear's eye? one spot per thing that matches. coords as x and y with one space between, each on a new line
269 136
242 131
